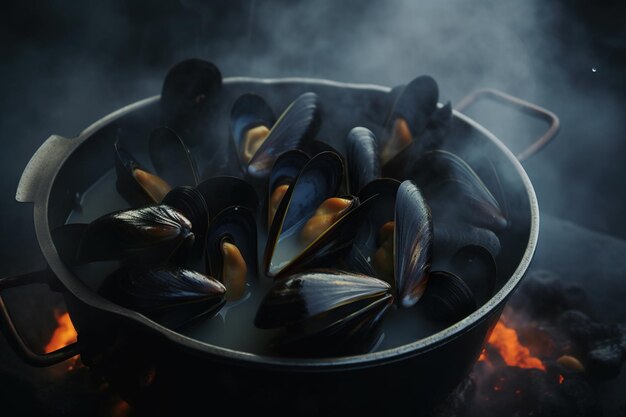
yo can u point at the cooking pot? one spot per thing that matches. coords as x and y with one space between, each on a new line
162 370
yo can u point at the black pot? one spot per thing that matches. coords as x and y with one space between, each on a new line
160 369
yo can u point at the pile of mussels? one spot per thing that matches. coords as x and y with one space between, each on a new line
349 236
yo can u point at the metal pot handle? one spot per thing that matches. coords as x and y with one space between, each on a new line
525 107
13 335
36 179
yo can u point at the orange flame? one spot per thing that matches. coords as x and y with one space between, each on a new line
505 340
63 335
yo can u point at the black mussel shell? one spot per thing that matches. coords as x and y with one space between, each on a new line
324 311
222 192
126 184
413 236
382 193
284 172
416 103
235 225
148 235
298 124
403 163
189 92
450 237
441 118
456 190
476 266
318 180
363 158
248 111
170 295
171 158
447 298
191 204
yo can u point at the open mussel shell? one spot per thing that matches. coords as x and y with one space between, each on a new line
318 180
477 267
170 295
298 124
249 111
222 192
190 202
413 237
381 210
457 191
448 298
237 226
324 311
363 158
145 235
189 91
416 103
171 158
283 174
135 183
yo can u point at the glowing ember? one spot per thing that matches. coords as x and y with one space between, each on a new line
63 335
505 340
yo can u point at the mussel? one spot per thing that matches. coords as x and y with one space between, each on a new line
222 192
134 182
188 95
411 115
171 158
257 147
169 294
447 298
190 202
325 312
311 225
363 158
232 250
395 243
283 174
146 235
456 192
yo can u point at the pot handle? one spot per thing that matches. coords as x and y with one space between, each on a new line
37 177
13 335
523 106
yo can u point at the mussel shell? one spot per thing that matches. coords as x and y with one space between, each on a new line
236 225
169 294
190 202
318 180
416 103
248 111
222 192
450 237
328 296
363 158
478 269
441 118
171 158
148 234
298 124
125 182
189 91
382 193
356 333
285 170
450 183
413 236
447 298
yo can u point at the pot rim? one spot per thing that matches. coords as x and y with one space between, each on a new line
87 296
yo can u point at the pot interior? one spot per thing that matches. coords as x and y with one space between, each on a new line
87 175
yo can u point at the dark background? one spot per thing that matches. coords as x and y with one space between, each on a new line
66 63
